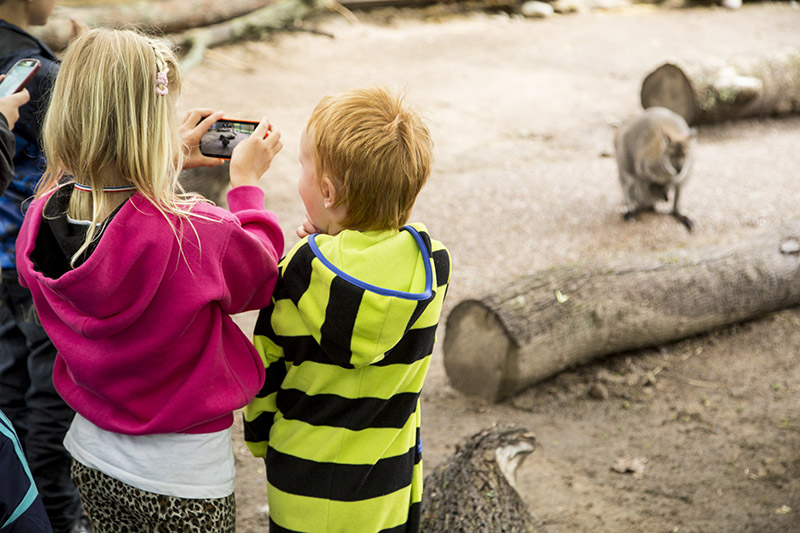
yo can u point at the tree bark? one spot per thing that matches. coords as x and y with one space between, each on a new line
165 16
717 91
475 488
550 320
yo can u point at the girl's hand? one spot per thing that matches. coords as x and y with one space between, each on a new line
252 157
192 129
307 228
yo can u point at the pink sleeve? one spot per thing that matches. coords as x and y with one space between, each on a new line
250 260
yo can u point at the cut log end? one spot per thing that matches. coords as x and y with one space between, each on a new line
668 86
477 349
723 89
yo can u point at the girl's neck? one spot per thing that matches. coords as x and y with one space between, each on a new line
80 206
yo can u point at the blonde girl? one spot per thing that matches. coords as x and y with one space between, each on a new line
135 283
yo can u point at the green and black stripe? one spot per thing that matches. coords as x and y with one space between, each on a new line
338 417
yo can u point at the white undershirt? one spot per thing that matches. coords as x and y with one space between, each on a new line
199 465
185 465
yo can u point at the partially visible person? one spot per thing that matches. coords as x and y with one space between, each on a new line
135 283
347 341
21 506
9 113
27 395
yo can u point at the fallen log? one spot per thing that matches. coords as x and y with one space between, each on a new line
475 488
551 320
723 90
162 16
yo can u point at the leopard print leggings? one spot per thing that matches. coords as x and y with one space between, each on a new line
116 507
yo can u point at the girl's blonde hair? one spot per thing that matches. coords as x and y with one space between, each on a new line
108 124
376 151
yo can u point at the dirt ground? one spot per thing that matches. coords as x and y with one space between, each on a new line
522 112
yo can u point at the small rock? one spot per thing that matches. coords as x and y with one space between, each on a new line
571 6
630 465
610 4
790 246
535 9
598 391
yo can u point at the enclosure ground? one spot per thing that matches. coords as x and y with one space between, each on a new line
706 431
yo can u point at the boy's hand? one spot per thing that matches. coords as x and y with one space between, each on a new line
307 228
191 131
9 105
252 157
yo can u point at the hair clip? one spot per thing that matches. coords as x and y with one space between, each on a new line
161 83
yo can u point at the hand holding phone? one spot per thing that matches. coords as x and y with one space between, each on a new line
9 106
253 154
18 76
223 136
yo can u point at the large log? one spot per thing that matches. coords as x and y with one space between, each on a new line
719 90
163 16
551 320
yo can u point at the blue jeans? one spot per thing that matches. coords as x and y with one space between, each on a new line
29 400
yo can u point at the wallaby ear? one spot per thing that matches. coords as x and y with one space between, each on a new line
664 140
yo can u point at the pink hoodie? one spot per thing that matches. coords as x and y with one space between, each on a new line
144 337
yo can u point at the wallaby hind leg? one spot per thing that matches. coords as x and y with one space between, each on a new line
683 219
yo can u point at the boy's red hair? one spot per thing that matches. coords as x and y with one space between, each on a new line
376 151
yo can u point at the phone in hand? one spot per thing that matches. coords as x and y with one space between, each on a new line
18 76
224 135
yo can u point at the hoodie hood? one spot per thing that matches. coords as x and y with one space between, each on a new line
145 340
364 290
114 285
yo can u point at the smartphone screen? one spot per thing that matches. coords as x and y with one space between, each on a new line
223 137
18 76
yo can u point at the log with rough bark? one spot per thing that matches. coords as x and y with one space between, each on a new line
163 16
475 489
718 90
551 320
205 23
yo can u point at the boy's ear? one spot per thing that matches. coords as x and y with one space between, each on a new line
328 192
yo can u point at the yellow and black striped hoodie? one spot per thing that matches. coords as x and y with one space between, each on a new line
347 343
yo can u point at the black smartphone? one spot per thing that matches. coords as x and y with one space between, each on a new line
18 76
224 135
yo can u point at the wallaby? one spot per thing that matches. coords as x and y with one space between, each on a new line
654 155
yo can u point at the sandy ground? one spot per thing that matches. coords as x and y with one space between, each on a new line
522 114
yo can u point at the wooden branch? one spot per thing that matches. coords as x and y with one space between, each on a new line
548 321
253 24
715 91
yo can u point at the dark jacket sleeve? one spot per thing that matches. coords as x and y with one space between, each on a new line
7 146
15 485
